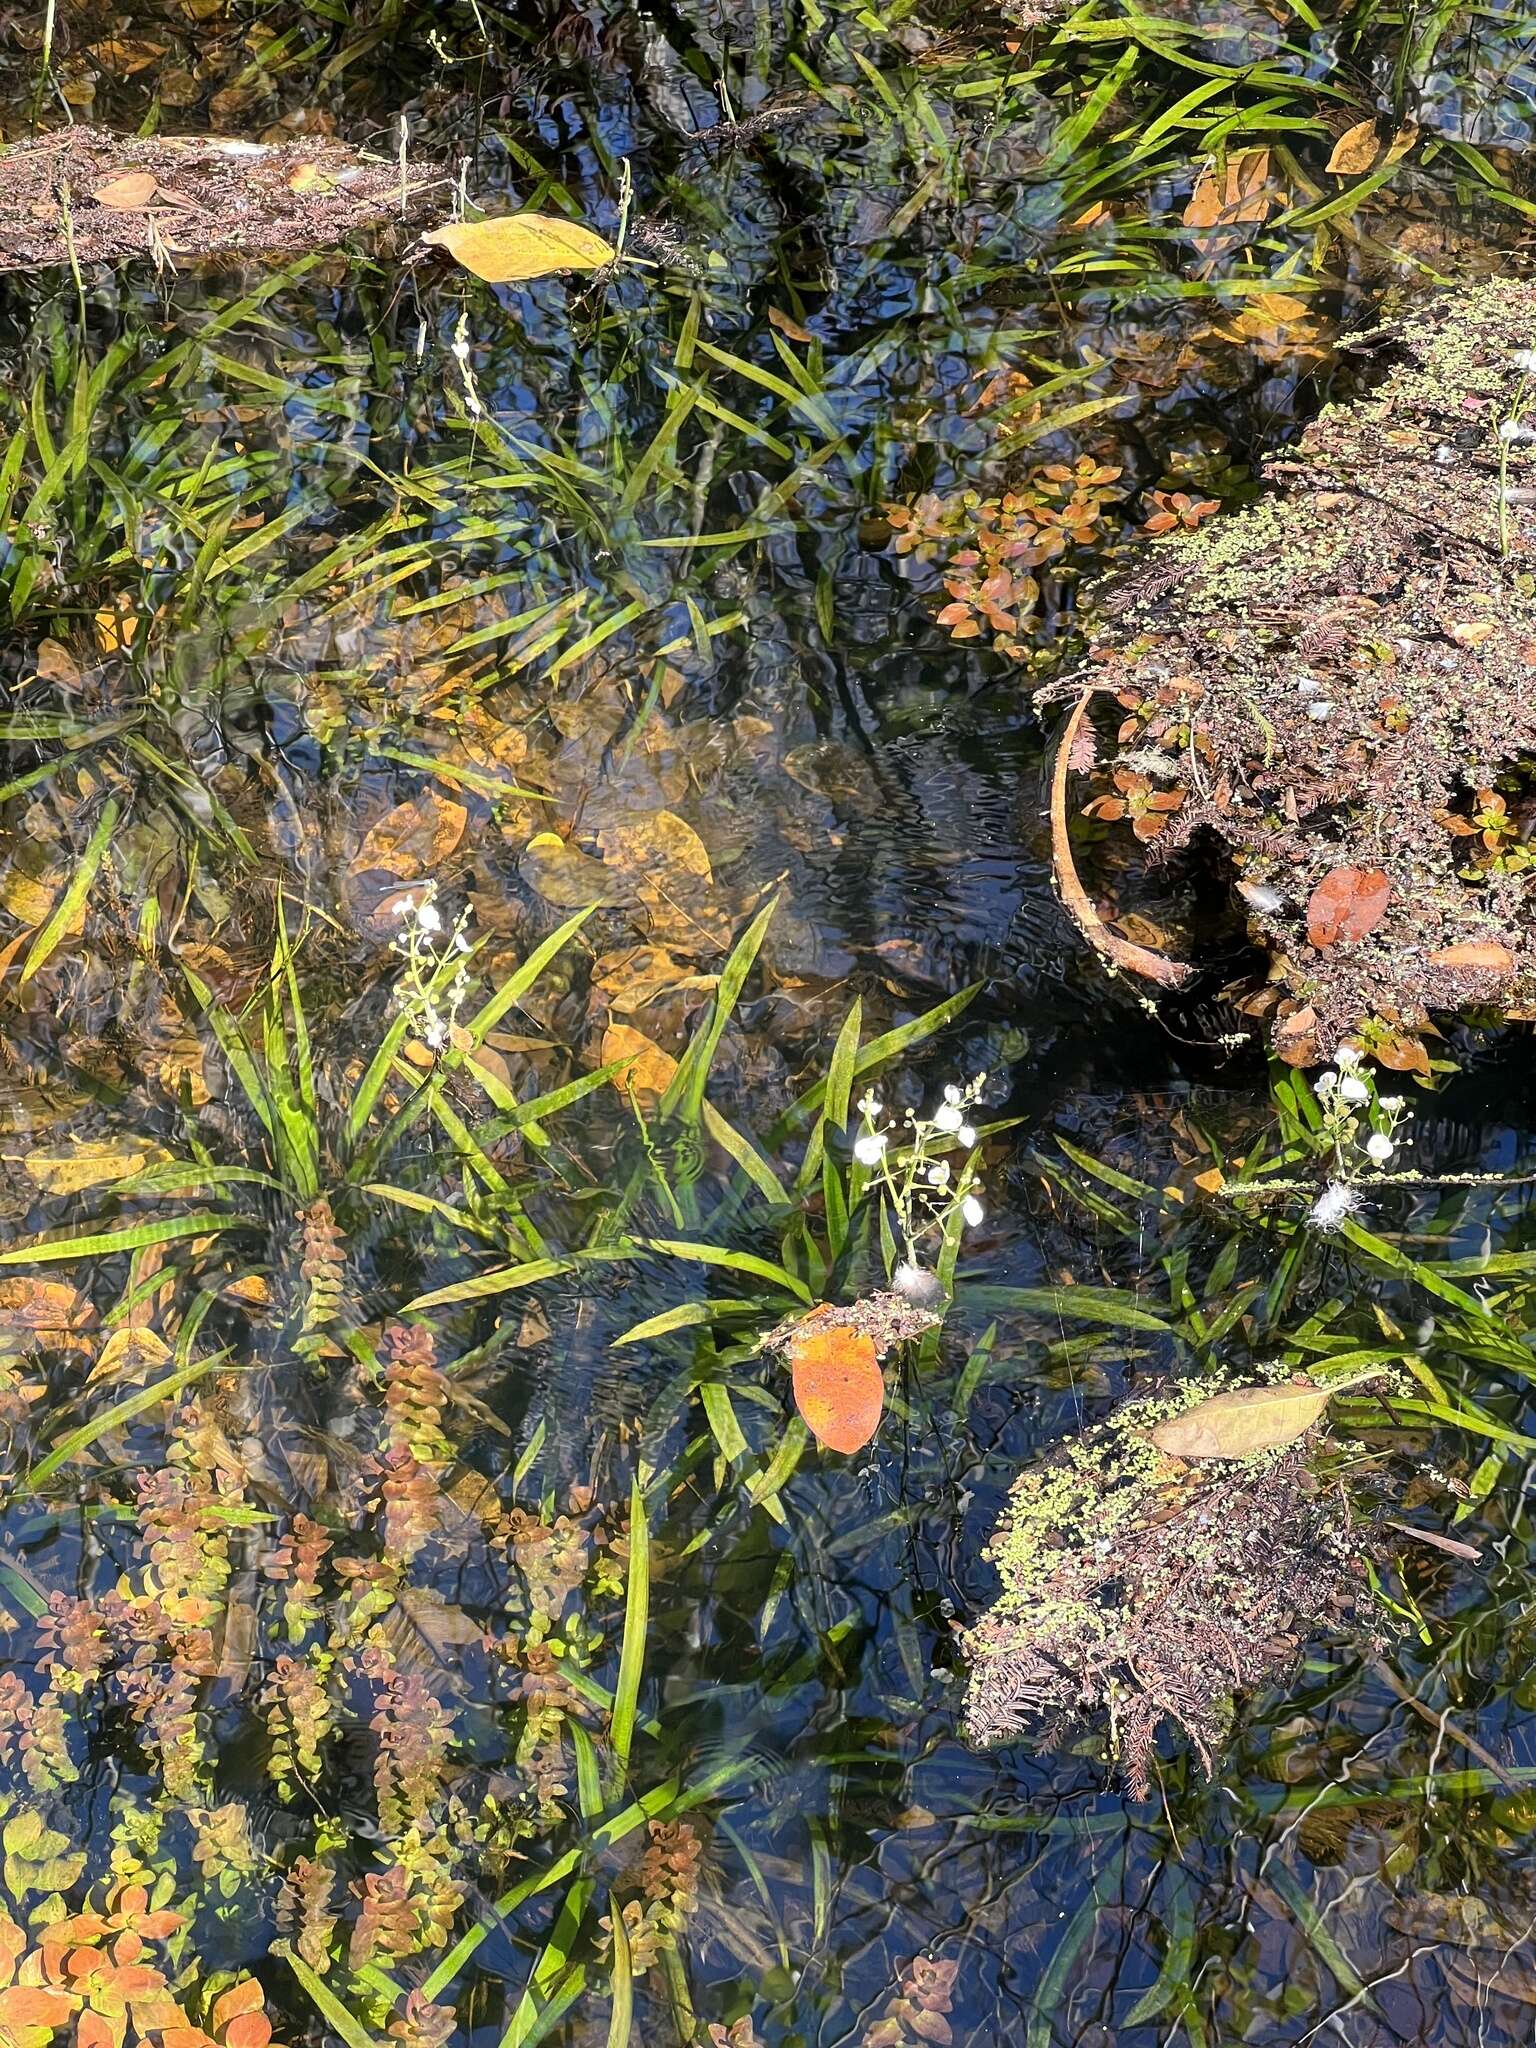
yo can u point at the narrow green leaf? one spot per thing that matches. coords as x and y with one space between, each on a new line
637 1608
62 915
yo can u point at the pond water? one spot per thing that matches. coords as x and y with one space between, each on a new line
364 1594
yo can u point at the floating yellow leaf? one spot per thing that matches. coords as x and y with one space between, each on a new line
1355 150
515 246
1245 1421
310 178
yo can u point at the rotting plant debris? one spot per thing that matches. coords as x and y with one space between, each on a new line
1338 683
1152 1589
102 197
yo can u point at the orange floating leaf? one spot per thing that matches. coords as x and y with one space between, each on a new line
839 1388
1349 903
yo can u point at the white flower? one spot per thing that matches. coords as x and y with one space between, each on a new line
973 1210
948 1117
870 1149
1326 1082
1353 1089
1516 430
460 942
1336 1202
1379 1146
1392 1103
871 1106
1525 359
1346 1057
429 917
938 1176
435 1032
967 1134
951 1093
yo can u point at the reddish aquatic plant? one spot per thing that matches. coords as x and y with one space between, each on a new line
1147 808
304 1910
295 1563
415 1395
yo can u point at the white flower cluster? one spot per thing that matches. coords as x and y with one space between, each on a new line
1357 1119
425 947
924 1190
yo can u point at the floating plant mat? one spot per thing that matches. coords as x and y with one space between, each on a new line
1337 683
104 197
1156 1565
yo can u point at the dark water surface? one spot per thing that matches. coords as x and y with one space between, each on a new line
278 561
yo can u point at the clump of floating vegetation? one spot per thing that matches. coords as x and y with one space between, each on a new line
1153 1588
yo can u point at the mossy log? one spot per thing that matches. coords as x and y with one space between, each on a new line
87 196
1338 684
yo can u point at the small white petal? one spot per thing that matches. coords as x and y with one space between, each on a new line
870 1149
1326 1082
938 1176
948 1117
1379 1147
951 1093
973 1211
429 917
1346 1057
1353 1089
967 1134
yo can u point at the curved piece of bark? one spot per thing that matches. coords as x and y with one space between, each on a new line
85 194
1122 952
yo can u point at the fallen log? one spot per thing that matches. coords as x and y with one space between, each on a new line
85 195
1338 685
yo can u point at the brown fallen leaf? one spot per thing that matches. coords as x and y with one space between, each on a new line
1296 1038
1475 956
648 1069
28 1304
1472 632
1355 151
131 1354
565 876
55 664
128 194
1347 904
839 1387
1240 192
414 838
1243 1422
